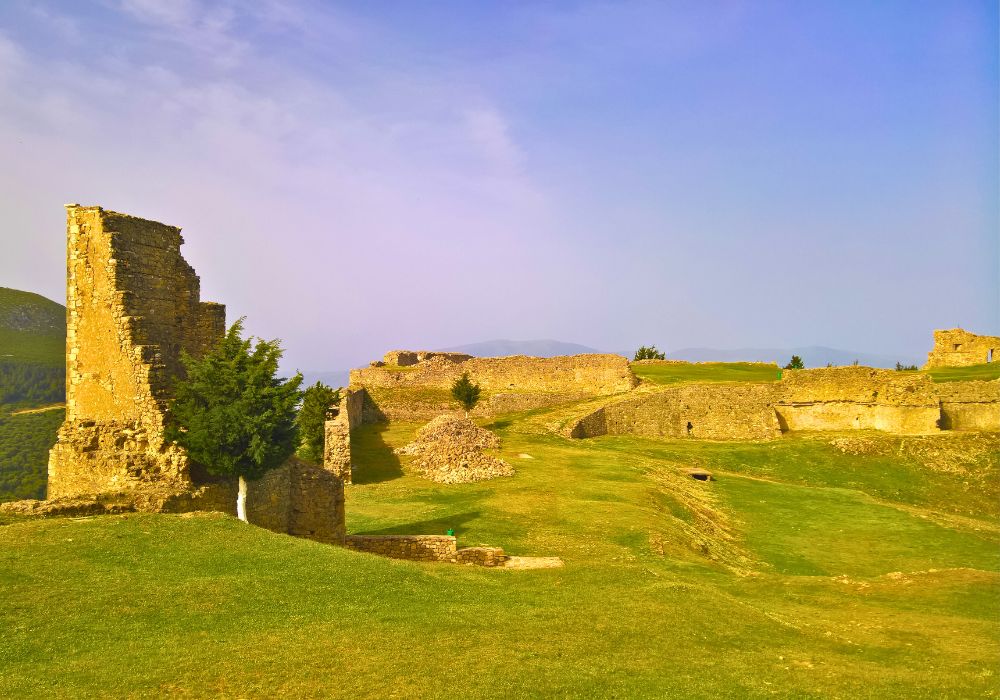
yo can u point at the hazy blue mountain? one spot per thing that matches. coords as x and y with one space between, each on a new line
534 348
813 356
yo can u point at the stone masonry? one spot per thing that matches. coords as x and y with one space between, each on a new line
959 348
133 306
414 385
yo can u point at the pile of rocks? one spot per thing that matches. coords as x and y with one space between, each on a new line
449 450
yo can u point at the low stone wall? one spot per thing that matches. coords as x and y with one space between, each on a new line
700 411
481 556
425 548
412 547
337 434
405 390
973 405
857 398
590 374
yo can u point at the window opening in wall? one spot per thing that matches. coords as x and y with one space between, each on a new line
958 346
689 427
989 355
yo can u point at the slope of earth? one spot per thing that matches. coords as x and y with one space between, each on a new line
32 328
805 569
669 373
32 376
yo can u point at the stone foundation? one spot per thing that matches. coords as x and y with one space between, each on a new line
971 405
699 411
443 548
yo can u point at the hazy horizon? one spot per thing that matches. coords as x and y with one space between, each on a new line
357 179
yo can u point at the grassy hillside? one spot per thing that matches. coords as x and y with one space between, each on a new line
25 440
32 328
32 374
986 371
863 567
705 372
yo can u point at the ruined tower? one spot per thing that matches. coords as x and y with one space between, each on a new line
132 305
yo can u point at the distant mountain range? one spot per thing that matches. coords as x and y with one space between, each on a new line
532 348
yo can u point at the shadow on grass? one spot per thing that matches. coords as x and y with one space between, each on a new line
372 457
436 526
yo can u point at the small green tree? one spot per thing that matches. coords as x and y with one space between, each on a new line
232 413
796 363
465 392
900 367
650 353
316 402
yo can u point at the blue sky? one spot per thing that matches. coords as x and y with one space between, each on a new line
356 177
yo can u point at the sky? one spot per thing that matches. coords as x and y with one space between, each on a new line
358 177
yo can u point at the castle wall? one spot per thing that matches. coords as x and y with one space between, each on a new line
421 390
959 348
132 306
852 398
701 411
337 434
973 405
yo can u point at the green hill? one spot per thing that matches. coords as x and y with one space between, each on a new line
32 328
32 374
860 565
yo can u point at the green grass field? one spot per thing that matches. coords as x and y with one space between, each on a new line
988 371
801 571
705 372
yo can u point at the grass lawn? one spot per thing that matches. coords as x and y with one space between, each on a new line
987 371
705 372
801 571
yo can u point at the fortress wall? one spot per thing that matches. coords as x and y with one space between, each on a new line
973 405
702 411
959 348
850 398
421 391
337 434
591 374
132 306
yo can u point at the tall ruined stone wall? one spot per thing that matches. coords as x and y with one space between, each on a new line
850 398
337 434
421 390
971 405
701 411
959 348
132 306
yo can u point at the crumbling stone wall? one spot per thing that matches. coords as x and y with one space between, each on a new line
851 398
406 358
420 390
701 411
425 548
959 348
337 434
132 306
973 405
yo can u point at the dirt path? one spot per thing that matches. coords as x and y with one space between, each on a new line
38 410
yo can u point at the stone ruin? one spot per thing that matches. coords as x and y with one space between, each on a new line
133 306
959 348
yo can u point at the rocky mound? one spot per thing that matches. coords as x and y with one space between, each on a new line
449 450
